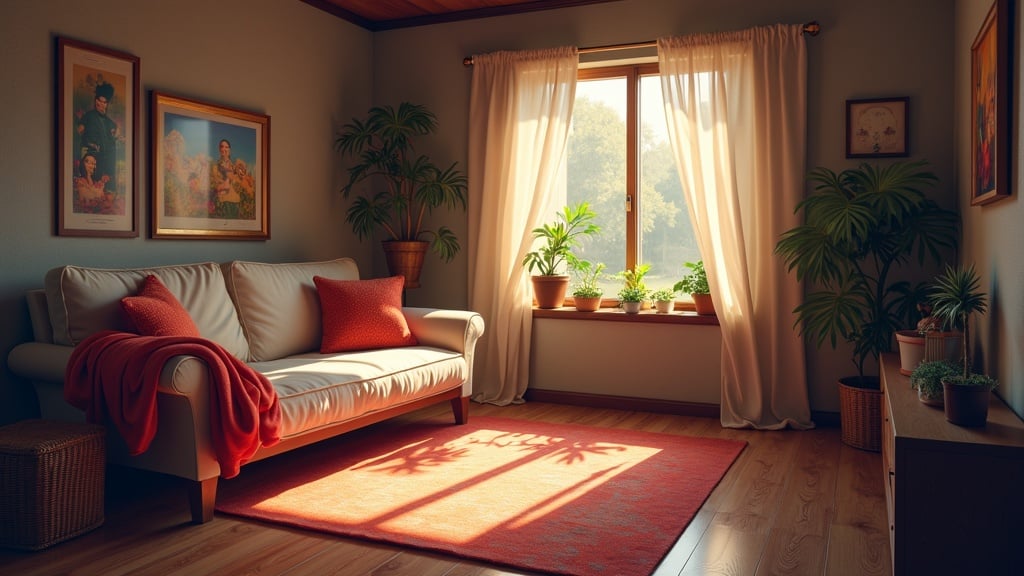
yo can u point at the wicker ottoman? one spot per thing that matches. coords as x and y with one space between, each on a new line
51 482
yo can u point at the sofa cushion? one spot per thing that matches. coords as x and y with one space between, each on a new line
278 306
82 301
362 314
316 390
156 312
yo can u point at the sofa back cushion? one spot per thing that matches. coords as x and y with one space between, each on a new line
83 301
278 304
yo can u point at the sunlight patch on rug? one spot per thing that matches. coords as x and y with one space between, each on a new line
554 497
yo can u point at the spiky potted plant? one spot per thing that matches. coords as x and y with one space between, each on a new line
410 186
956 297
555 256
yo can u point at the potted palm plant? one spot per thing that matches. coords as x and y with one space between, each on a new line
382 145
634 290
696 285
555 255
586 292
859 226
956 296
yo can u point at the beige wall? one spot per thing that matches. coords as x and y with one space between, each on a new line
994 233
306 69
867 48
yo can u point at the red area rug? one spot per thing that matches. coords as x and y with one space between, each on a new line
560 498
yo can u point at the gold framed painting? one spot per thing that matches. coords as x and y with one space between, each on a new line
97 108
210 171
990 117
877 128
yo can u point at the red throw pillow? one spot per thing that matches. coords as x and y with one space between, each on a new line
362 314
156 312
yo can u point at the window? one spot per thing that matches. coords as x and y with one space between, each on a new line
620 161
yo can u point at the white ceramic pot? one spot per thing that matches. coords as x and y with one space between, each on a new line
632 307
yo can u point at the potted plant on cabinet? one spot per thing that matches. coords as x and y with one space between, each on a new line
556 253
696 285
927 377
956 297
858 226
383 146
664 300
634 290
930 340
587 294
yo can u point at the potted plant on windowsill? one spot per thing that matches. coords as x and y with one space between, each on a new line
556 253
696 285
956 297
586 293
412 185
858 226
664 299
634 290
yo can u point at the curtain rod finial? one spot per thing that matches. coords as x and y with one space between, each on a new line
467 61
812 28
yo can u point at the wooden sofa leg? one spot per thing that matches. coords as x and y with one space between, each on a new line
201 496
460 406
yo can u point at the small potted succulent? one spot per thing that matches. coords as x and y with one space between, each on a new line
927 377
664 299
634 291
586 293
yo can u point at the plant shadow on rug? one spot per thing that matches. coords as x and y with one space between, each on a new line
558 498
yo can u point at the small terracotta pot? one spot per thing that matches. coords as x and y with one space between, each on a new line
587 304
703 303
549 291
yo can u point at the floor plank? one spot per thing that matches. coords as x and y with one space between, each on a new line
792 503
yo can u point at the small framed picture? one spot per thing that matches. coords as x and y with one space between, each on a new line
991 131
210 167
877 128
97 140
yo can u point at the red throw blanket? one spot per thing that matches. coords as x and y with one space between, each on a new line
114 375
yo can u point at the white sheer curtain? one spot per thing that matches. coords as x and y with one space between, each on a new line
736 108
519 114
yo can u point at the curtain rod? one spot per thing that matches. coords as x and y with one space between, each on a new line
811 29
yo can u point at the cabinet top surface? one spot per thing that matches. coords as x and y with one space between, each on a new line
912 419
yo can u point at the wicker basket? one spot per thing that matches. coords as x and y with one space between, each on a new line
51 482
860 413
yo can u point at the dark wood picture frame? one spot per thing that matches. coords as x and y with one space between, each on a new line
210 171
991 132
97 151
878 128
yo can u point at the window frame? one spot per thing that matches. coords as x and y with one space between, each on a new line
632 73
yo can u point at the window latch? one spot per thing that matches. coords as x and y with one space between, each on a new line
629 202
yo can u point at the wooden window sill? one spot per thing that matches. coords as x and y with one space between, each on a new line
617 315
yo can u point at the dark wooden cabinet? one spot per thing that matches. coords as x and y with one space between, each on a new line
955 495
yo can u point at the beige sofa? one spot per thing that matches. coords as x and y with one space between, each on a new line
267 315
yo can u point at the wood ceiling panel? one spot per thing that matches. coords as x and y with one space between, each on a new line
389 14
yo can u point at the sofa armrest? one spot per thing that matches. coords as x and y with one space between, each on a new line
456 330
39 361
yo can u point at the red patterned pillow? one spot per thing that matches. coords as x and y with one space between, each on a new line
156 312
362 314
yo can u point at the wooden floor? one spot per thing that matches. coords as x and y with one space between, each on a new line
800 503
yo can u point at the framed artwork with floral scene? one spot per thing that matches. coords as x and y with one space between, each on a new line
991 132
877 128
210 169
97 109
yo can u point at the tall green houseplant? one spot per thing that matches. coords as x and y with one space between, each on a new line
860 225
383 147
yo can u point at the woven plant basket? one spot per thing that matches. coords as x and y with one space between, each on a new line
860 413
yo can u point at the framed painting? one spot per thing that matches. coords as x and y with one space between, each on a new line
97 109
210 167
990 101
877 128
